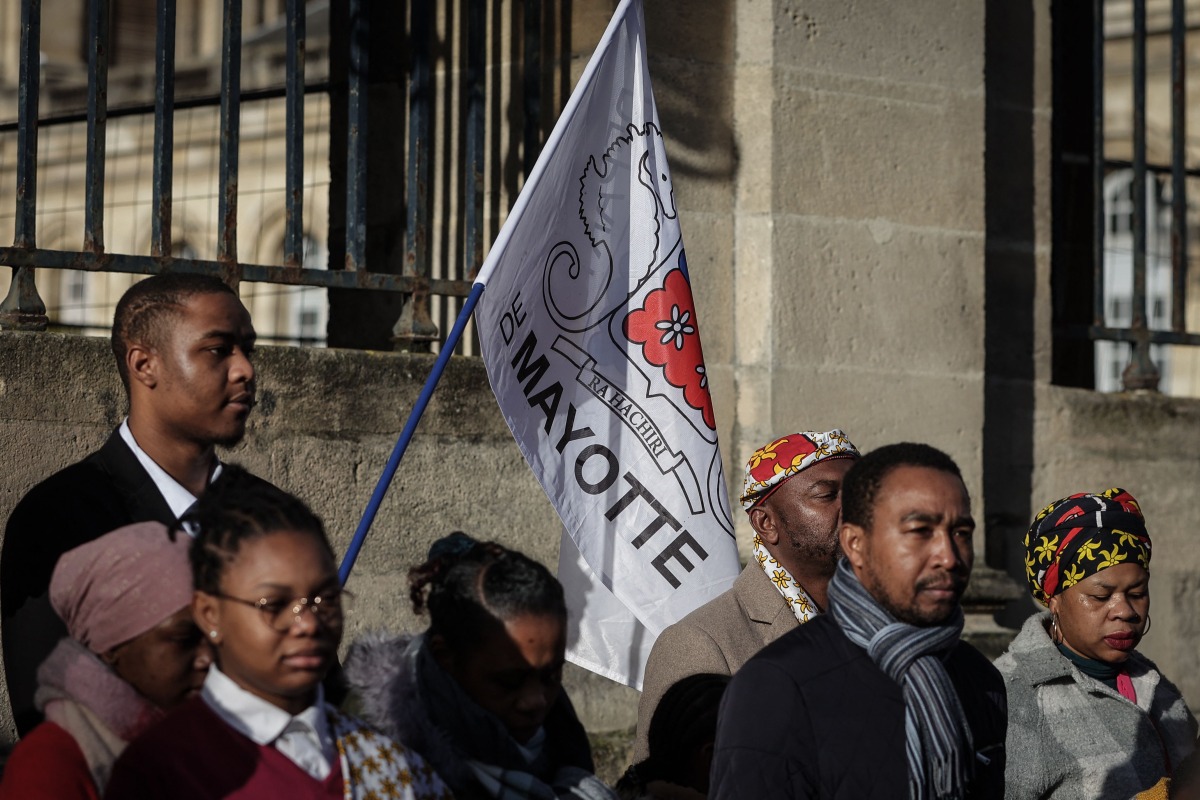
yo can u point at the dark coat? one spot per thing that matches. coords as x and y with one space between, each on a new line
75 505
812 716
381 670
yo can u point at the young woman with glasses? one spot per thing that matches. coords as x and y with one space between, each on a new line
269 602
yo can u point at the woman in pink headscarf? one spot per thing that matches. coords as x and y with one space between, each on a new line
133 653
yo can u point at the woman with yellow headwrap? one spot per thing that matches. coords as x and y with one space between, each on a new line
1088 715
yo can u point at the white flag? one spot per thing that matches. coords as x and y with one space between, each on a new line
592 347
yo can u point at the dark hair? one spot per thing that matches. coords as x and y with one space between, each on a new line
862 482
683 722
143 310
465 584
237 508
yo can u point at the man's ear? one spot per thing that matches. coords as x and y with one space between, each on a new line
854 541
141 362
765 524
206 612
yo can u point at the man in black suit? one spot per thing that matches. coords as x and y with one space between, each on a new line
183 345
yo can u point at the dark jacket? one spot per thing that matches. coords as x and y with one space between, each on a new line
382 671
812 716
73 506
103 492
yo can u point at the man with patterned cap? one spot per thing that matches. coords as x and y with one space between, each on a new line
792 496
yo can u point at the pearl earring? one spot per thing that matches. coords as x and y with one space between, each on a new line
212 634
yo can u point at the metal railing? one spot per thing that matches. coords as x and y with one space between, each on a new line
24 309
1141 371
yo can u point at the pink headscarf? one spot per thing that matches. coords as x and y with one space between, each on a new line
121 585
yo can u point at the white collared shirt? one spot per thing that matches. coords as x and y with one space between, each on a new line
304 739
178 498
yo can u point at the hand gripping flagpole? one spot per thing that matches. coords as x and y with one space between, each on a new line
498 247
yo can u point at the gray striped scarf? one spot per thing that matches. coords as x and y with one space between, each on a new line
938 738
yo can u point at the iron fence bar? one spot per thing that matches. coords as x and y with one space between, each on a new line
231 79
415 261
1150 32
293 237
1141 372
164 128
1179 248
97 124
1099 218
22 308
28 92
533 82
21 258
414 328
103 329
1153 169
181 104
356 138
1108 334
476 97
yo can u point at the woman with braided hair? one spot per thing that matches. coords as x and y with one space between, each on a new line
1088 715
267 599
479 693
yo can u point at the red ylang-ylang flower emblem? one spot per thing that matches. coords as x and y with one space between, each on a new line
665 326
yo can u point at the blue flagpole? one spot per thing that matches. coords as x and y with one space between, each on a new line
414 417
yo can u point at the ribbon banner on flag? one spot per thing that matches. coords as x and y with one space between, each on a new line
592 347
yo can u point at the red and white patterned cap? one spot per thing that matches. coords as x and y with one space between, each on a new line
774 463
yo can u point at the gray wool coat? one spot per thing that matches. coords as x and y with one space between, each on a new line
1070 737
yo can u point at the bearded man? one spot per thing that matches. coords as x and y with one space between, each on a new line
792 496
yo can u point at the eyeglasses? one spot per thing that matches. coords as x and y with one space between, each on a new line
328 609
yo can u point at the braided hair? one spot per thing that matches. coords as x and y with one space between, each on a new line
466 584
862 482
237 508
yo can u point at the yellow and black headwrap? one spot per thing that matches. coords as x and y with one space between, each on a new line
1080 535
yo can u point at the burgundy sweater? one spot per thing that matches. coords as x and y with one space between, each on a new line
194 755
48 765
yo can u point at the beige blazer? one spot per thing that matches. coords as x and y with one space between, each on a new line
718 637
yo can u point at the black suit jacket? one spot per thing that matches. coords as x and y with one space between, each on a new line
82 502
812 716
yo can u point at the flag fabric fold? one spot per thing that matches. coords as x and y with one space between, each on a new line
592 347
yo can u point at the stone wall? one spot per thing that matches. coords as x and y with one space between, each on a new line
853 292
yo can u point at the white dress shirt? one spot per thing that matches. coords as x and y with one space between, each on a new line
304 739
178 498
